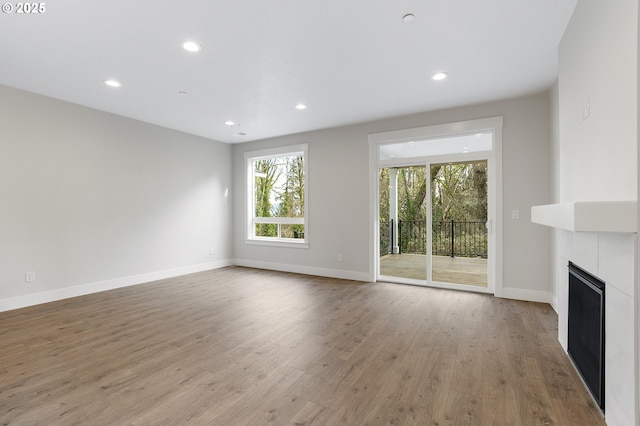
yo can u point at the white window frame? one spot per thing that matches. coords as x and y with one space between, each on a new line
252 220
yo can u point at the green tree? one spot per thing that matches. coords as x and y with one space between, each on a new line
459 192
383 194
479 170
290 195
412 188
267 174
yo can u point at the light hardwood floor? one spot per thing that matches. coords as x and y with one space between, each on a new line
240 346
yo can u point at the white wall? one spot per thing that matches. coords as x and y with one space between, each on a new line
637 272
556 267
338 195
598 61
597 160
90 200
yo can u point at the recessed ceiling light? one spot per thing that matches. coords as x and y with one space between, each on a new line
191 46
239 134
301 106
112 83
408 17
182 93
439 76
229 123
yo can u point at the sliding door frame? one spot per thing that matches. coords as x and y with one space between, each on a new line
494 159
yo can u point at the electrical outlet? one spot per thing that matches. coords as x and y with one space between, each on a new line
515 214
339 257
29 277
211 252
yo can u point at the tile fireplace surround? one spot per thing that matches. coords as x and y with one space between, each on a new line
611 256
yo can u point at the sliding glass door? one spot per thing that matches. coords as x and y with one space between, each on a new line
403 222
458 213
435 210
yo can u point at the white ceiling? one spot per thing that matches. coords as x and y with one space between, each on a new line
349 61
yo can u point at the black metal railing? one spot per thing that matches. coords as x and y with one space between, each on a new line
449 238
412 236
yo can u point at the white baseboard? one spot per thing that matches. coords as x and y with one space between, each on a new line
308 270
527 295
18 302
96 287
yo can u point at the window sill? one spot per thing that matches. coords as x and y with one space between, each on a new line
278 243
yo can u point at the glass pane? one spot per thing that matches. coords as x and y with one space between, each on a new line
279 186
459 214
270 230
267 230
292 231
403 222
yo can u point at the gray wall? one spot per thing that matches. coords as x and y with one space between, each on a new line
88 197
94 201
338 195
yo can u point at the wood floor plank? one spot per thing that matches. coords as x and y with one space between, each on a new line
312 414
461 409
467 368
244 346
499 403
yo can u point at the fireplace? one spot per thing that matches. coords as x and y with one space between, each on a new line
586 343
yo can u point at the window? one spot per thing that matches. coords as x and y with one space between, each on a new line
276 188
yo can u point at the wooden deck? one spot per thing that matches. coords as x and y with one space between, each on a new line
453 270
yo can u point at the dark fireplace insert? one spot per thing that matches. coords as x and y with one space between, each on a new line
586 329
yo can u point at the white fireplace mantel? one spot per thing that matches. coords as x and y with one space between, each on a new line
589 216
